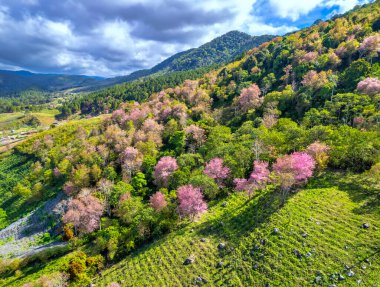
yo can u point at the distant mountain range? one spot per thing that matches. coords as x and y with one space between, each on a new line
218 51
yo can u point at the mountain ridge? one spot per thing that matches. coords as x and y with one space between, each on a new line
219 50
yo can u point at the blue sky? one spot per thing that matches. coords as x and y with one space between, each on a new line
117 37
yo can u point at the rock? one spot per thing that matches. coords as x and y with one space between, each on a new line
224 204
304 235
203 239
346 247
221 246
365 225
297 253
359 281
364 267
350 273
263 241
367 261
319 272
341 277
333 285
219 264
222 223
318 280
347 267
255 266
318 223
188 261
267 285
276 230
200 279
308 254
191 230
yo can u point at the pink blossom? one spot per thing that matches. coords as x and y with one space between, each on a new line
257 179
118 116
195 137
369 86
298 166
216 170
250 98
84 213
310 57
56 172
131 160
370 45
191 202
157 201
164 168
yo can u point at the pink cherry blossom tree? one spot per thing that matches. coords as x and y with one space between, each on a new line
191 202
131 161
195 137
164 168
84 213
157 201
369 86
257 179
216 170
370 46
293 170
250 98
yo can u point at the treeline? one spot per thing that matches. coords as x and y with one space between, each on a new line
28 100
109 99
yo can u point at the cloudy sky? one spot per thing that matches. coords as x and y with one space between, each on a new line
116 37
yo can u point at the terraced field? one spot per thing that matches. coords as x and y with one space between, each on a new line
317 237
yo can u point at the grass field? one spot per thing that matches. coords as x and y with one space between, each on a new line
13 120
319 238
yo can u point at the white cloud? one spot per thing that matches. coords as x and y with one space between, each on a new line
116 37
293 9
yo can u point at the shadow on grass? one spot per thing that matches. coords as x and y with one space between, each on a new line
237 223
361 190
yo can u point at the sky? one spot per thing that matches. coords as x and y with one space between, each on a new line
116 37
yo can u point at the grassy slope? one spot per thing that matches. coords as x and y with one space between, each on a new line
13 168
331 216
10 120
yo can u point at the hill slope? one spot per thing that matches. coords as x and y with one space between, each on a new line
323 224
220 50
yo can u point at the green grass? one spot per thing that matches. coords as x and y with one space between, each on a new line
13 120
13 168
331 217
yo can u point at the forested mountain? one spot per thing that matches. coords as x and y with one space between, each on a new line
12 83
185 65
218 51
262 172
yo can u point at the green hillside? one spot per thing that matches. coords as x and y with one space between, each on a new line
220 50
323 224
